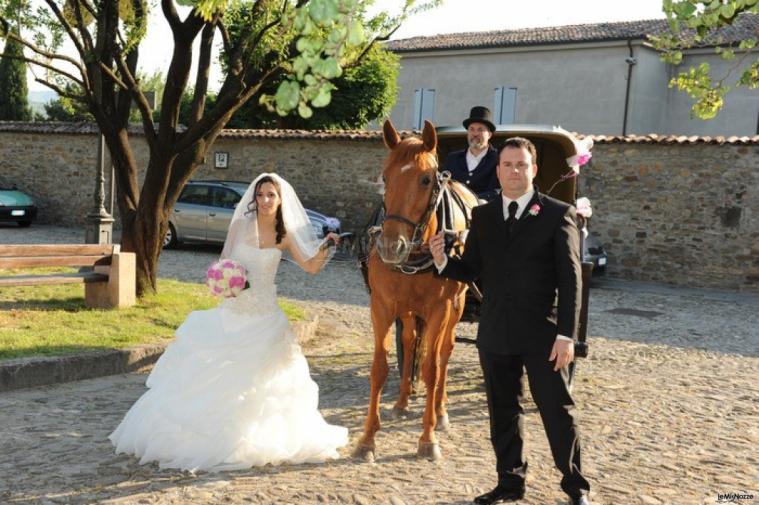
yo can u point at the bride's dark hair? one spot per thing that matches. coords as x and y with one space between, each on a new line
279 225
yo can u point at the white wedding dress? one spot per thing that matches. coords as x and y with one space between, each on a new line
233 391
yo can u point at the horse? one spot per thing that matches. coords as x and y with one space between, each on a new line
418 202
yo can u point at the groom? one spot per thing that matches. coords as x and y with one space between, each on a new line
524 248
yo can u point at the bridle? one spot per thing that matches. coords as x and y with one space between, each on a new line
420 227
424 262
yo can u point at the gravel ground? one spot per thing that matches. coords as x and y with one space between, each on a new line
667 400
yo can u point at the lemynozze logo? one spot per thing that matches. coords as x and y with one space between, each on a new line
739 497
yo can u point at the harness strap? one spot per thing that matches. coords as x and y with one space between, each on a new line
442 202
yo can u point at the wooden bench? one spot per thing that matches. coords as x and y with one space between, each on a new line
110 283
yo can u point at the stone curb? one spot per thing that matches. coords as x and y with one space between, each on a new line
41 371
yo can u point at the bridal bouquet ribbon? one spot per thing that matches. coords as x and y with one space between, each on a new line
226 278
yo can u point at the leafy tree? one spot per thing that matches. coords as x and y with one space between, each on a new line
363 93
305 44
64 108
696 23
13 91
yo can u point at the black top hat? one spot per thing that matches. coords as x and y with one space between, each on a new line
480 114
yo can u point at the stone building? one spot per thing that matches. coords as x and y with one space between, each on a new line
603 78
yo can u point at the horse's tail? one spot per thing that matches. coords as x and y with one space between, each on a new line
420 350
363 264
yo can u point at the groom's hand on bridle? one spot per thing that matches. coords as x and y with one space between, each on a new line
437 247
563 352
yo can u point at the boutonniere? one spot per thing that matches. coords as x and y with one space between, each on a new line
534 210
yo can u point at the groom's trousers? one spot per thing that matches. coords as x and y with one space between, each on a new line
503 376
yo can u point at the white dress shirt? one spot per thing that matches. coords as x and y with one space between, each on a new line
472 161
522 202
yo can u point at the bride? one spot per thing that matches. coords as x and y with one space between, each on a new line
233 390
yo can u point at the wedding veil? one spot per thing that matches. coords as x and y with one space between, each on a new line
244 225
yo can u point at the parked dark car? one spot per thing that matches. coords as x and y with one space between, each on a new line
16 206
205 208
593 251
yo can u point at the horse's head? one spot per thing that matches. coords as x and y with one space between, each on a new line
410 176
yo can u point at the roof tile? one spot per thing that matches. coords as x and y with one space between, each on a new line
743 27
374 135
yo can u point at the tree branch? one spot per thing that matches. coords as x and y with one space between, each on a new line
43 65
61 91
171 15
113 76
229 101
204 66
141 100
86 38
67 26
225 37
46 54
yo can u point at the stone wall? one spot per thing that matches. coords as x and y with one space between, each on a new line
683 213
335 177
686 214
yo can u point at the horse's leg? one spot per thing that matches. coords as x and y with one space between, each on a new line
446 349
409 337
435 324
381 321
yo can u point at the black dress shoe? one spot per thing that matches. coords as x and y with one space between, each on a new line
582 500
500 495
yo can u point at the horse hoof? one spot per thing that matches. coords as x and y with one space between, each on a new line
443 423
399 413
429 450
365 453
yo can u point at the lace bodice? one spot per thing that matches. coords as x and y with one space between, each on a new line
261 266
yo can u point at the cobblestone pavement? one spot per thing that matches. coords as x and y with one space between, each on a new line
667 402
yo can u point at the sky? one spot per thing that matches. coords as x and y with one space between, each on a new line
452 16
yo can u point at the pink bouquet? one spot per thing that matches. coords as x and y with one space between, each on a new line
226 278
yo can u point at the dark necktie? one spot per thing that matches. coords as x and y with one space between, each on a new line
513 206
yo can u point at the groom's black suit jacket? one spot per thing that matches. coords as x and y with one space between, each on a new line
520 275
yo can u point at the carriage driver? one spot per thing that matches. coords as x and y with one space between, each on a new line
475 167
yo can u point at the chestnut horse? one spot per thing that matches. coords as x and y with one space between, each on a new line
402 284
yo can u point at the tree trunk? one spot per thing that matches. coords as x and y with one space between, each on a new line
144 236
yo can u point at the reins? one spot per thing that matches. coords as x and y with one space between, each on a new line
442 200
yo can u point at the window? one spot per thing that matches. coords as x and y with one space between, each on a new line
196 193
424 106
505 107
225 198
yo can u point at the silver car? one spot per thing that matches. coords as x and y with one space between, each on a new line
205 208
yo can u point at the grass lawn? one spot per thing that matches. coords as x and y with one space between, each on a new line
53 320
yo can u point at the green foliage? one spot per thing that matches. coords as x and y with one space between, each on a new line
324 31
13 90
362 94
694 23
67 109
